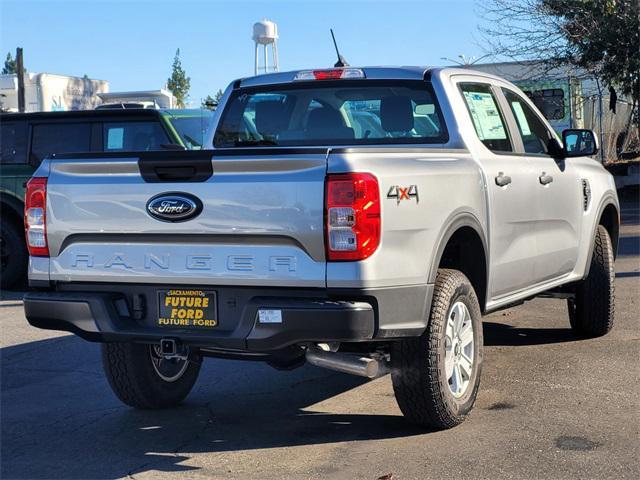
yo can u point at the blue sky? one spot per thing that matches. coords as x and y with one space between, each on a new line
132 44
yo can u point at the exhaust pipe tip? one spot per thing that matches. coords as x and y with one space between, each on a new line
341 362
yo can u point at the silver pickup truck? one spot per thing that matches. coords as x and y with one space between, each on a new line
359 219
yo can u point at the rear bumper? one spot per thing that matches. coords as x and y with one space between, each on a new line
98 317
117 313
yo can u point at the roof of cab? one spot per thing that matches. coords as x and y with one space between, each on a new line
370 73
81 114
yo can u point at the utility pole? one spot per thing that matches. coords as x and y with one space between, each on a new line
20 73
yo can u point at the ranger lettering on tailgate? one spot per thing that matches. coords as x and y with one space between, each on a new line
281 263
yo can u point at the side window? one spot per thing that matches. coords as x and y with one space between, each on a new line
59 138
13 142
486 116
534 133
549 101
133 136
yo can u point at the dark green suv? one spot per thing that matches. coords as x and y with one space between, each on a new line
27 138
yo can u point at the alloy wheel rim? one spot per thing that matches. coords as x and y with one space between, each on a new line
168 369
459 349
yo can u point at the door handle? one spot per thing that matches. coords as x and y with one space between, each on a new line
545 179
502 179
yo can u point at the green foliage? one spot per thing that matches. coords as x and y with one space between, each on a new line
179 83
600 36
10 65
209 103
603 36
212 102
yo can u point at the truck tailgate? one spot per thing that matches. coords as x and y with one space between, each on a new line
261 221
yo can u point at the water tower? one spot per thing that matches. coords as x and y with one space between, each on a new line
265 33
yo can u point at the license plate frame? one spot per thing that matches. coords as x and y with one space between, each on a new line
187 308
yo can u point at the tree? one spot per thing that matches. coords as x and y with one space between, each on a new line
209 103
599 36
179 83
212 102
9 65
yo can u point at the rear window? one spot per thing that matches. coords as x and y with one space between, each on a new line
332 113
133 136
192 129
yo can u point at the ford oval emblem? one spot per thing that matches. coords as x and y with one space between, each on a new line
174 207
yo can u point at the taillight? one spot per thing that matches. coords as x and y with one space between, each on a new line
35 217
352 216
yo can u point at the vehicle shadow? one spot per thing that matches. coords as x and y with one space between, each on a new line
501 334
629 246
629 206
11 295
61 420
628 274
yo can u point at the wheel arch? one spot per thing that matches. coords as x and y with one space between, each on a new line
464 229
608 215
11 208
609 218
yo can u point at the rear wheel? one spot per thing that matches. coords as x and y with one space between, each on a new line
592 311
141 377
13 254
436 376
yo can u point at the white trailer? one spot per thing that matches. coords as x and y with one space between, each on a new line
46 92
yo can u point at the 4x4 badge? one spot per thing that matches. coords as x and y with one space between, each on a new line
398 193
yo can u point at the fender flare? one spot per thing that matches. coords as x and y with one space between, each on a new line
607 199
457 220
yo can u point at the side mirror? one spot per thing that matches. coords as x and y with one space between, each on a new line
579 143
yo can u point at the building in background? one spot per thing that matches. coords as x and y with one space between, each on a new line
141 99
46 92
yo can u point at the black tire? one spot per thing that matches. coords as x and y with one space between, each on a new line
135 381
592 311
419 380
13 254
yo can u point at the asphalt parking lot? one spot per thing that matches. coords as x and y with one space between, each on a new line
550 406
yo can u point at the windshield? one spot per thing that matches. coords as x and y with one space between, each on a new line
360 112
191 127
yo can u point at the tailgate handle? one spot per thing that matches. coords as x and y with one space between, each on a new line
186 166
175 173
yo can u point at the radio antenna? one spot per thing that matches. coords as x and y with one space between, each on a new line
341 61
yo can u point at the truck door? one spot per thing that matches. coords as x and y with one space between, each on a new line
557 195
509 190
